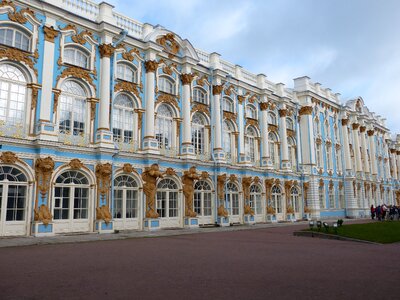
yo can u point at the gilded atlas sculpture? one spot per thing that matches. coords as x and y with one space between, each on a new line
103 175
150 176
222 212
188 179
44 168
246 182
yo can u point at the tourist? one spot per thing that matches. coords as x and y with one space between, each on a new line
378 212
372 212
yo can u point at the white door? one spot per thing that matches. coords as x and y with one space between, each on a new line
71 203
168 204
13 202
202 202
256 203
125 203
232 203
277 203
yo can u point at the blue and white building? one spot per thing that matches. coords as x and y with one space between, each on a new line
90 98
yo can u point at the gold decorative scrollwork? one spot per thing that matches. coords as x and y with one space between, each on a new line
217 89
8 157
127 86
50 33
19 17
79 38
106 50
78 73
103 175
200 107
246 182
75 164
128 55
167 98
230 116
19 56
264 106
151 66
221 179
251 122
201 80
283 113
241 99
169 44
187 78
128 168
35 92
170 172
305 110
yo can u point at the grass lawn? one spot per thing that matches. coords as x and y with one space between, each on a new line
380 232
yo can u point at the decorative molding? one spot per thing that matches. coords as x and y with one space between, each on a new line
170 172
167 98
228 91
129 55
18 56
78 73
355 126
79 38
106 50
345 122
305 110
9 157
363 128
75 164
151 66
221 179
252 122
35 92
370 132
264 106
200 107
272 128
128 87
188 179
140 116
187 78
201 80
246 182
229 115
19 17
217 89
50 33
56 96
169 44
150 176
283 113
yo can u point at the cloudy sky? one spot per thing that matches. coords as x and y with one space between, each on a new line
350 46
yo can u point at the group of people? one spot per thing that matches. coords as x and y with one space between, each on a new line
384 212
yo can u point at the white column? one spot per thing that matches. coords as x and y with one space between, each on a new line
307 138
242 154
356 147
394 163
364 149
106 50
284 144
218 151
371 138
187 147
346 145
386 160
265 159
150 143
397 155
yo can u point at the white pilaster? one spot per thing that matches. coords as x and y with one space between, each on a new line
364 149
219 154
346 145
284 144
242 154
265 156
356 147
307 137
371 138
187 147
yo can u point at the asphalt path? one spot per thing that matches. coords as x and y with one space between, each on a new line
262 263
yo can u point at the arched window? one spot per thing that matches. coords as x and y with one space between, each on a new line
12 95
232 198
317 129
327 130
13 195
202 198
276 201
256 199
166 85
341 197
198 124
15 38
76 56
338 160
126 192
167 198
251 112
318 155
72 108
199 95
294 199
274 149
71 196
123 112
321 193
227 105
227 138
292 152
272 118
250 143
126 72
164 126
331 197
289 124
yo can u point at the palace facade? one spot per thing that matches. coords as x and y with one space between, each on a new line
110 124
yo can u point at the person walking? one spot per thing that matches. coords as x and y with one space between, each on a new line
372 212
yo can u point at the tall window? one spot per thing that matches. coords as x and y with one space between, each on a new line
321 193
227 104
167 198
198 124
317 129
274 149
338 160
289 124
71 196
125 197
250 143
256 199
15 38
232 198
166 85
77 57
319 155
328 156
12 95
123 112
294 199
202 198
126 72
13 194
292 153
276 199
272 118
341 197
199 95
327 130
164 126
251 112
72 108
227 138
331 197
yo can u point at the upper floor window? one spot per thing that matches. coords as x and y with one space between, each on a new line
123 112
164 126
271 118
77 57
251 112
228 104
326 129
199 96
250 143
289 124
126 73
166 85
198 124
15 38
227 136
12 95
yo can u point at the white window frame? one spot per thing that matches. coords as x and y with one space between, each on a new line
202 199
13 43
169 188
129 188
76 51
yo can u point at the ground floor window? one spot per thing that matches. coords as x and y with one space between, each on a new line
232 198
167 198
126 192
202 198
255 199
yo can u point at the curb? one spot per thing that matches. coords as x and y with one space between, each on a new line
327 236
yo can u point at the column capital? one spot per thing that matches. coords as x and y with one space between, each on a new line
392 151
305 110
151 66
264 106
355 126
187 78
345 122
50 33
363 128
241 98
370 132
106 50
283 113
217 89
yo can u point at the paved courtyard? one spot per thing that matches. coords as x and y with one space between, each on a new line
261 263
